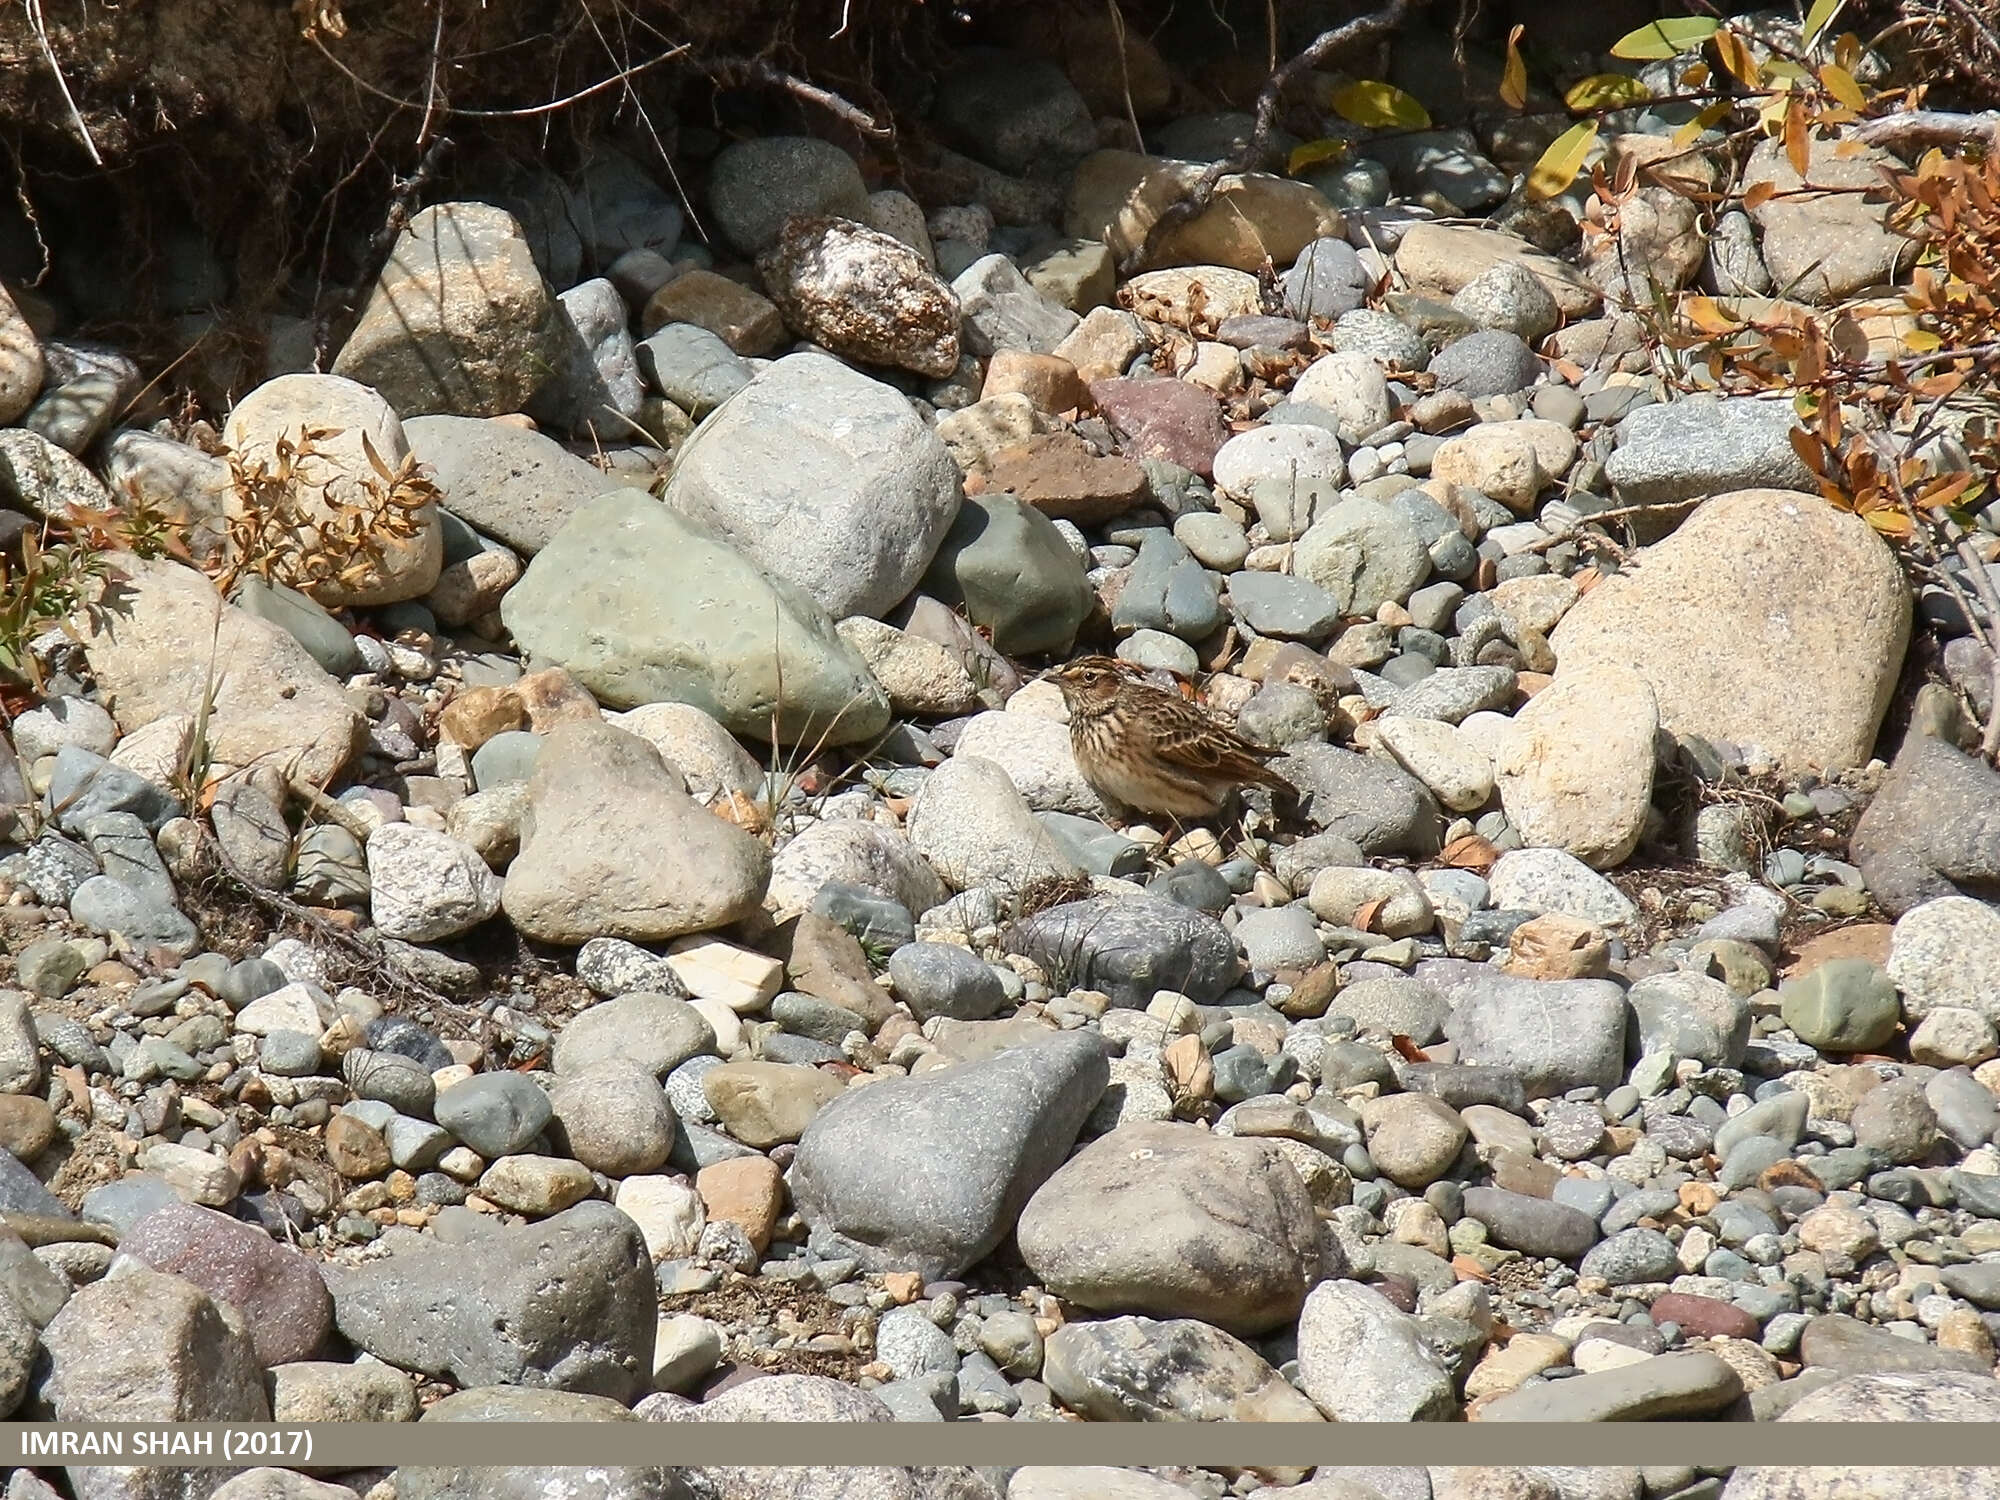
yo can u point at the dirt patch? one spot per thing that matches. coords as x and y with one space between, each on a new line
229 925
798 1308
94 1160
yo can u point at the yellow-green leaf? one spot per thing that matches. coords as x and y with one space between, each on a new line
1891 524
1312 153
1922 341
1559 164
1659 40
1840 83
1380 106
1606 91
1701 122
1514 80
1818 19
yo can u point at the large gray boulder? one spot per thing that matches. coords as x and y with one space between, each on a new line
511 484
1705 445
824 477
1554 1034
567 1304
1169 1221
1130 947
1932 829
932 1171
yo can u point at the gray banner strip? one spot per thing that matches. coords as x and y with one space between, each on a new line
362 1445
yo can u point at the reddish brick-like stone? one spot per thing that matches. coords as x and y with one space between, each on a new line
1061 477
1163 418
279 1291
1705 1317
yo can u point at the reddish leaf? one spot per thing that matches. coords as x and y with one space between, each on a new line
1798 147
1735 55
1809 449
1470 853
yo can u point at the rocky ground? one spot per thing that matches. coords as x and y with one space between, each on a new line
633 940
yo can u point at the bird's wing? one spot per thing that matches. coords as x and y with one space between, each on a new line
1190 737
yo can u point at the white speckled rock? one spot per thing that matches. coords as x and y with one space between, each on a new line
975 828
1552 880
425 885
869 855
1945 953
1363 1360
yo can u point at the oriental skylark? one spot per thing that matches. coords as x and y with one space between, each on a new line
1152 751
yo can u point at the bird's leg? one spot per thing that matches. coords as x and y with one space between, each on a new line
1241 829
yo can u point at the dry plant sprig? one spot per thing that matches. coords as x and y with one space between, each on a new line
41 591
292 529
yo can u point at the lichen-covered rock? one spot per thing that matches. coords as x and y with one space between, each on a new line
863 295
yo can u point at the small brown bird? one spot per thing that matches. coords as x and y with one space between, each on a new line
1152 751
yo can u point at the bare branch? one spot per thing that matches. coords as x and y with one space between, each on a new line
758 70
1920 129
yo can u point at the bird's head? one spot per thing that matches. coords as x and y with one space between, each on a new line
1090 683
